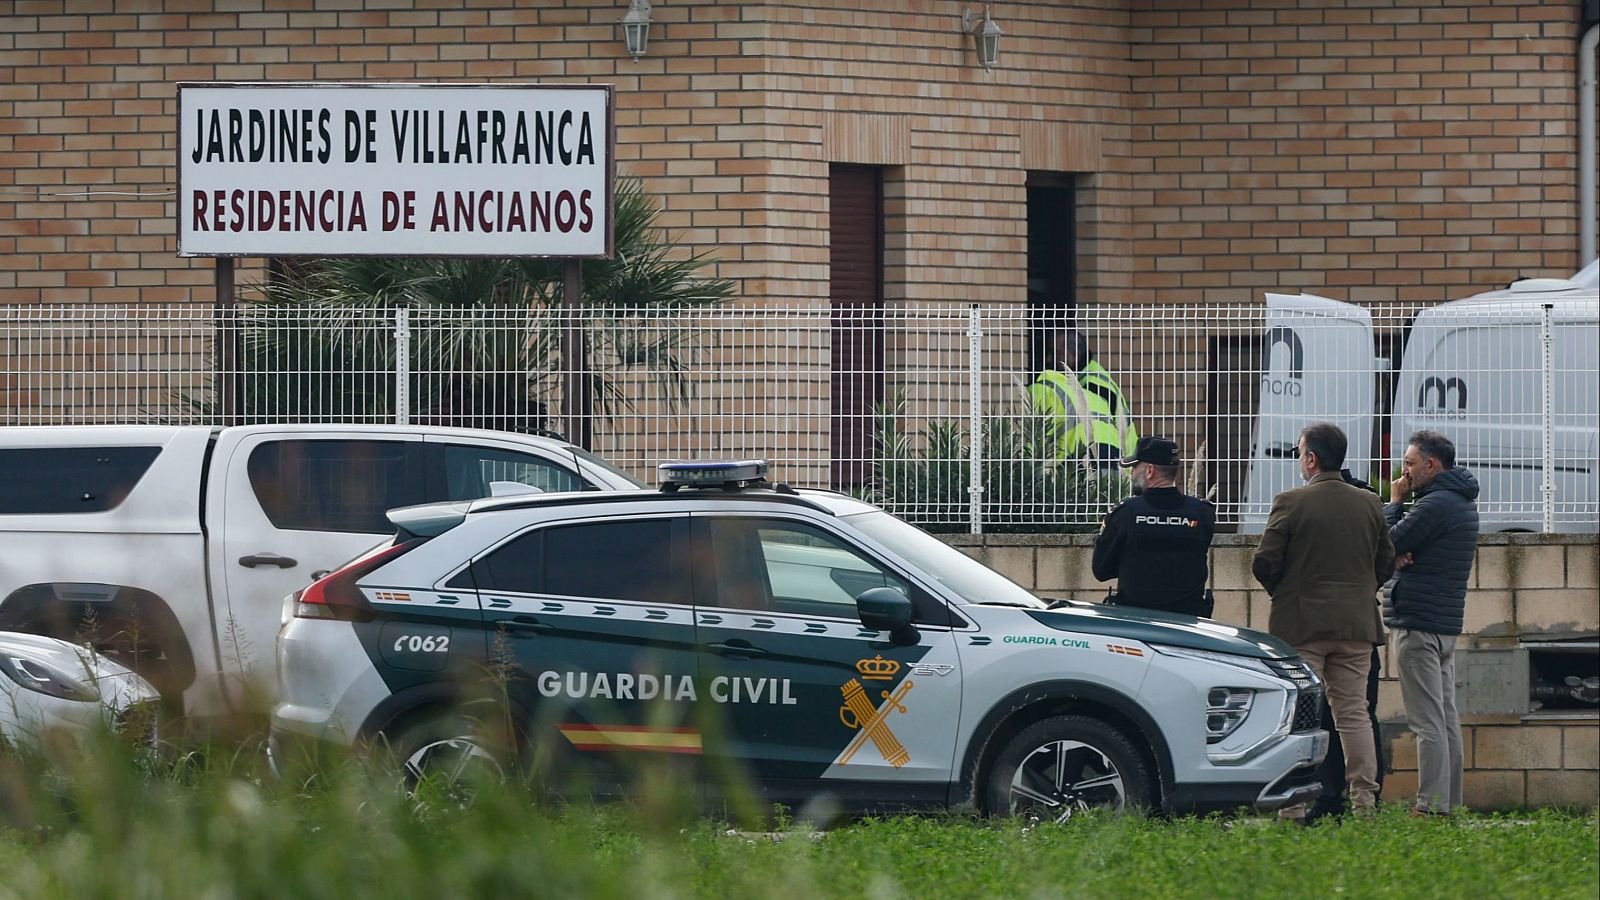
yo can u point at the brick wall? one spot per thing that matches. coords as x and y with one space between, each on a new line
1412 149
1370 151
1521 586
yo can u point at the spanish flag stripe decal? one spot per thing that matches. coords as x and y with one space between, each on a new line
632 737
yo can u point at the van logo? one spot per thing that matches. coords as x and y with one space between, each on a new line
1283 334
1440 390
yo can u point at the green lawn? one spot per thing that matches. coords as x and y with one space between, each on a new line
213 827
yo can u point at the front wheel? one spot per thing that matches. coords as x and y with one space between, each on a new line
1065 765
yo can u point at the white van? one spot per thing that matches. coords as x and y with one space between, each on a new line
1471 369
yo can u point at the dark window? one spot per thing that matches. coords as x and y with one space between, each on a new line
1233 387
469 472
855 291
344 486
628 560
70 479
1052 258
517 566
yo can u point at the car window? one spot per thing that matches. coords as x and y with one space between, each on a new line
469 471
335 485
70 479
790 567
516 566
622 560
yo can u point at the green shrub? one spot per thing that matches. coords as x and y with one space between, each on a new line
1026 486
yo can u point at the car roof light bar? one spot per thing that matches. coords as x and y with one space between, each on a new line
727 474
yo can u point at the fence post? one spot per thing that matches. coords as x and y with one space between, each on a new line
975 420
1547 384
402 365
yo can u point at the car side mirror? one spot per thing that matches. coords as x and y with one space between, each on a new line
886 609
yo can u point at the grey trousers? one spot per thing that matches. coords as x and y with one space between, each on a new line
1427 668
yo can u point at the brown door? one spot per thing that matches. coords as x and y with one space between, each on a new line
855 288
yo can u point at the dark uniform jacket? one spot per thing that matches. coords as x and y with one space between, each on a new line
1155 545
1322 556
1441 534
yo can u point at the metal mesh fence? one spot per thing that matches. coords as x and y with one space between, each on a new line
934 412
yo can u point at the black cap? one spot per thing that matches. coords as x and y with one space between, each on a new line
1157 451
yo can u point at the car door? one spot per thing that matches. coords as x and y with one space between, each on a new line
592 619
807 695
291 506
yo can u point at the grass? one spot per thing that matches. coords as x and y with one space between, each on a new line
113 823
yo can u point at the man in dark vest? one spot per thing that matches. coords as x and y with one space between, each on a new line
1437 539
1155 542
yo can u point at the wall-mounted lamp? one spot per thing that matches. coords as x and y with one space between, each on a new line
636 27
985 35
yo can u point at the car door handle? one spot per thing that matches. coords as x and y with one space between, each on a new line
267 559
527 625
737 650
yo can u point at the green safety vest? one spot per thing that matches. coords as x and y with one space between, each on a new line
1092 410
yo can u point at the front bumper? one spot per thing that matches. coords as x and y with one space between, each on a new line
1292 765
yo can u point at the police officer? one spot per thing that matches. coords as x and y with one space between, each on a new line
1155 542
1095 423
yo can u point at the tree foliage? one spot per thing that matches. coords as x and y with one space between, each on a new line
486 335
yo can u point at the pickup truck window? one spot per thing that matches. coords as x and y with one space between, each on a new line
468 471
337 485
70 479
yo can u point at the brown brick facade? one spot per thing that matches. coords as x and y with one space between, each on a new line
1402 150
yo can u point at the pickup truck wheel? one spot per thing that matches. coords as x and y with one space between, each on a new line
444 759
1064 765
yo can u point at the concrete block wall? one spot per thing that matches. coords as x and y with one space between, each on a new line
1522 585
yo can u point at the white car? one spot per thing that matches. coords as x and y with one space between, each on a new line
49 686
726 620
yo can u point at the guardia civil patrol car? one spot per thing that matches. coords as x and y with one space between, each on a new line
819 644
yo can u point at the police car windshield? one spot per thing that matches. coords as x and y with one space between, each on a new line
975 582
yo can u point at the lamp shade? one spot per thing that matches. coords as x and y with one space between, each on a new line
636 27
987 37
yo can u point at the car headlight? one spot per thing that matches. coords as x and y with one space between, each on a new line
1226 709
45 678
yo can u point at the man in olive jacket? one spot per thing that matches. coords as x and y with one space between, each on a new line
1322 556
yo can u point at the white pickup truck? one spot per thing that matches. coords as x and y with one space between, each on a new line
170 548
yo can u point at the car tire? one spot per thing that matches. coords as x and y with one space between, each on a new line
1064 765
443 758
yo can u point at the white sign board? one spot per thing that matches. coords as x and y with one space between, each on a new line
394 170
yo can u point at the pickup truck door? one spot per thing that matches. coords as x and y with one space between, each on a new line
285 506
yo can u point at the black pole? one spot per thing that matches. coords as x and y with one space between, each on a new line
577 398
227 346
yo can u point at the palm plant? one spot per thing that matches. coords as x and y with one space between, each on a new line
486 334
